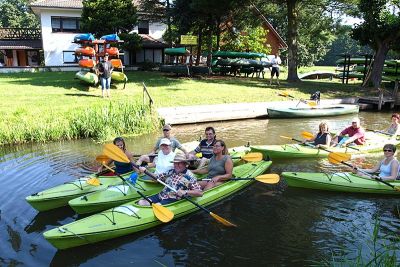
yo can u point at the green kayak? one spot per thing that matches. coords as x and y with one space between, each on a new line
131 218
119 194
59 196
343 182
304 151
305 111
87 77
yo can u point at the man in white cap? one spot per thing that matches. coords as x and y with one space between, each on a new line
356 135
179 178
166 134
164 159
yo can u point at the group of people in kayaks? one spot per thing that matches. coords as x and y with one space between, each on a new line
210 156
388 167
173 167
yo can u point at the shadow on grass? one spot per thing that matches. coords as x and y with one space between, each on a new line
86 95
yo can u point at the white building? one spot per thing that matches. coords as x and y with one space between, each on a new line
60 23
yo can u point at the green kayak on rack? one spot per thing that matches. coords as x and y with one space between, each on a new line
119 194
341 181
130 218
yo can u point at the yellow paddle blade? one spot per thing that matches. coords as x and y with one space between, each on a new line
271 178
199 155
253 156
307 135
93 181
337 157
284 93
102 158
222 220
115 153
162 213
312 103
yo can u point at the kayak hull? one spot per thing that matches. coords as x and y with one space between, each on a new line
59 196
303 151
87 77
319 111
340 182
131 218
118 76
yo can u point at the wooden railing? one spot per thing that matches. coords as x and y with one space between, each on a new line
20 34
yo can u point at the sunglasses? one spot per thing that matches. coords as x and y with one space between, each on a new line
387 150
165 130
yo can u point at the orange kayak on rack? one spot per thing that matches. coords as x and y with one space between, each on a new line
117 63
85 51
112 51
87 63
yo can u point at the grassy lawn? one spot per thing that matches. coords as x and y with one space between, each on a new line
29 99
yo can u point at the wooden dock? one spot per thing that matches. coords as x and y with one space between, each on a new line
225 112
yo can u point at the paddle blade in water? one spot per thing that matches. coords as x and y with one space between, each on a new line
115 153
307 135
222 220
253 156
162 213
102 158
271 178
93 181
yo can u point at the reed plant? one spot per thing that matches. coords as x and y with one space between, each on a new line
101 121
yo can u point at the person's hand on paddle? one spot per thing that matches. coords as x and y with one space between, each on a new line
181 193
354 169
142 169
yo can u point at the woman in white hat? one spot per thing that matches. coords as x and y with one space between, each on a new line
179 178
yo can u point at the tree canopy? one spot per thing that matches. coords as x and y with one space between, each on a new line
17 14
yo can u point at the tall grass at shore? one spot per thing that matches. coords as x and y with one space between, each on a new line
100 121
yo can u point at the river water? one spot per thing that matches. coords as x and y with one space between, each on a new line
277 225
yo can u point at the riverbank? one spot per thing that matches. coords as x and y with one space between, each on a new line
53 105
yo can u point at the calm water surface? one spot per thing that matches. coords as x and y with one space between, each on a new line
277 225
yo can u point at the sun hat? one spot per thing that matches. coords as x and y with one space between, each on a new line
179 157
167 127
165 141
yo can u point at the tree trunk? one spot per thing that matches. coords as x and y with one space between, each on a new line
169 24
200 40
218 34
292 40
379 60
209 47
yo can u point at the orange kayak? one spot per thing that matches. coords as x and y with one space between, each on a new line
112 51
87 63
117 63
85 51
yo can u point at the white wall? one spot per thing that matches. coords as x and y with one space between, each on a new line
156 30
54 43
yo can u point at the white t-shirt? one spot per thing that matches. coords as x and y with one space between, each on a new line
276 62
164 162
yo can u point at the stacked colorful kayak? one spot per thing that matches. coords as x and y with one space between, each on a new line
88 77
119 194
343 182
287 151
131 218
318 111
59 196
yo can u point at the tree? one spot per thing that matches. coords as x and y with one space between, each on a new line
17 14
380 30
102 17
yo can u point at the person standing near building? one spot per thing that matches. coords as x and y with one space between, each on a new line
105 69
276 61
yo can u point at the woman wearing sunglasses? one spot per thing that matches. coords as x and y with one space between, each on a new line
388 168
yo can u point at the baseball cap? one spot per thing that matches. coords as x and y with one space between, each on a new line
179 157
167 127
165 141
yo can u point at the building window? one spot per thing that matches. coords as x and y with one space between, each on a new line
65 24
143 27
69 57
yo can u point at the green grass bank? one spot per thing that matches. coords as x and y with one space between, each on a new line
48 106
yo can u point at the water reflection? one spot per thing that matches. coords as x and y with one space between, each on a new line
277 225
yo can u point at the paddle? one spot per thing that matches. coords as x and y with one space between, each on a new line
309 135
310 103
265 178
381 132
250 157
95 181
336 159
162 213
345 155
117 154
